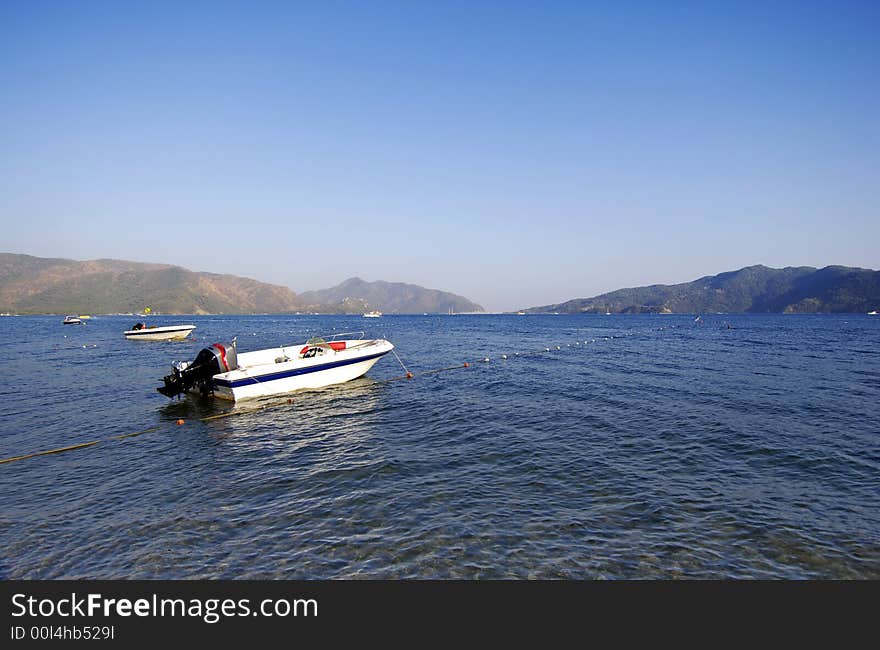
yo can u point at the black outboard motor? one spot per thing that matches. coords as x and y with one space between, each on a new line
211 361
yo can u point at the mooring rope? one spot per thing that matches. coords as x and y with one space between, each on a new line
405 369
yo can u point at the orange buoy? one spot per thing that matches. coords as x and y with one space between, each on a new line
179 422
409 375
466 364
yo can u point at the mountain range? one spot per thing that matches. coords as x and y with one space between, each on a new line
389 297
36 285
753 289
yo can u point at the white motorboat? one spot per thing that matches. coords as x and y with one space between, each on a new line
224 372
72 320
872 313
373 314
143 332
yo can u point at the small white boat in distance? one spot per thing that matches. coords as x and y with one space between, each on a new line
72 320
222 371
373 314
142 332
872 313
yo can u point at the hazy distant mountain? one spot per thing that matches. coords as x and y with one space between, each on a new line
754 289
33 285
36 285
356 295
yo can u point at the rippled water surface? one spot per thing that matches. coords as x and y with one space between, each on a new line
645 447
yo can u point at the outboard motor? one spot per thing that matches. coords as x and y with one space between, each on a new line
211 361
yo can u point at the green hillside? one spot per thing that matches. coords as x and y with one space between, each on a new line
754 289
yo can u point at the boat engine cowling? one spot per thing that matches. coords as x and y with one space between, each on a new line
212 360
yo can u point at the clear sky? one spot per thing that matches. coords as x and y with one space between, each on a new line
518 153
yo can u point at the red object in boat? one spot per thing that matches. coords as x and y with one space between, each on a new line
336 345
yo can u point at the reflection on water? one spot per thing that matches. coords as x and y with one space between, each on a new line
661 447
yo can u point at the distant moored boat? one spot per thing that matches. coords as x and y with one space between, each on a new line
166 333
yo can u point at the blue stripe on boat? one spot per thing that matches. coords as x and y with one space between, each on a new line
262 379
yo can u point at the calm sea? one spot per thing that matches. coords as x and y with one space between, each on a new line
730 447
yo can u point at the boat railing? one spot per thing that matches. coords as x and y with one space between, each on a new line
361 334
324 342
329 338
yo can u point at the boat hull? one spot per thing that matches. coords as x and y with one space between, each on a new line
168 333
264 380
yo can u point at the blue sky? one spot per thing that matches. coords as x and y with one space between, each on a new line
518 153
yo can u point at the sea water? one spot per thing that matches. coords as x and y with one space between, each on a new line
649 446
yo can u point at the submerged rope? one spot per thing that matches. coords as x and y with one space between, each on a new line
81 445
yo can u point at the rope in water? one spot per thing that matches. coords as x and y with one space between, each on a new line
289 401
81 445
